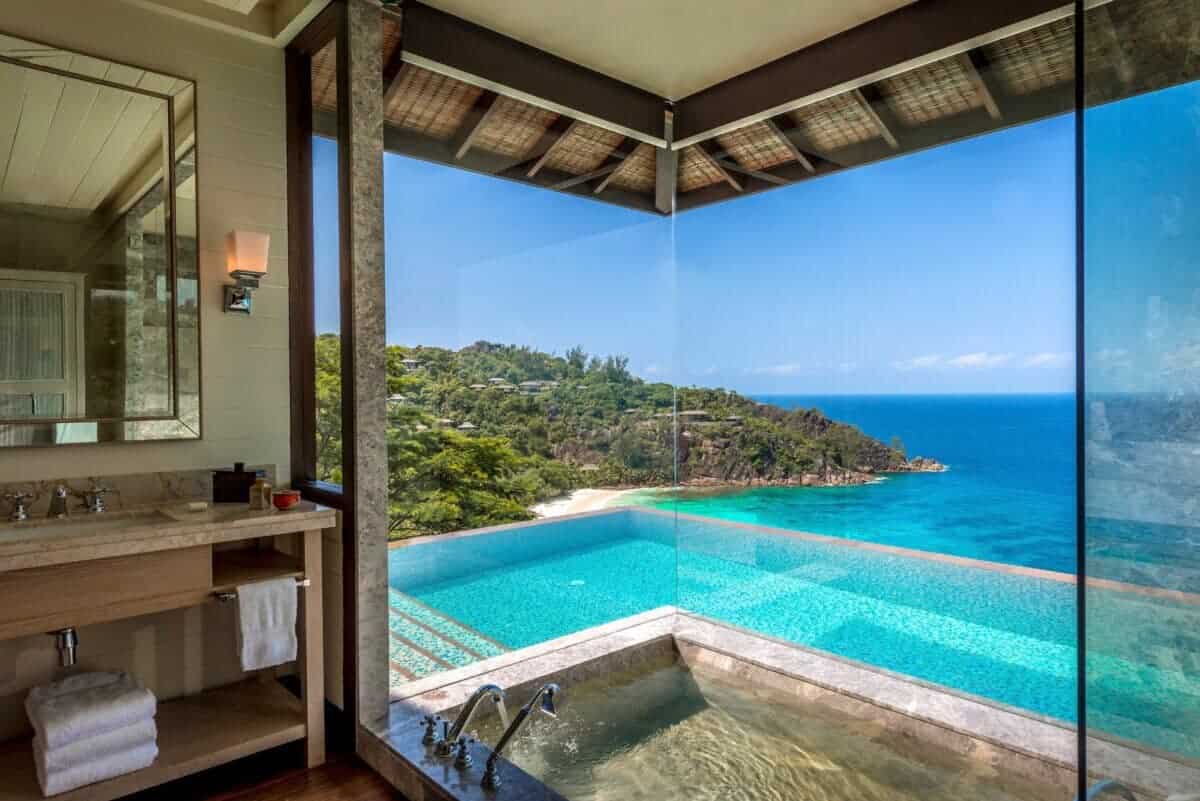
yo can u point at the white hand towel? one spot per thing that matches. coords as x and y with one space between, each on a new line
54 782
267 623
98 747
86 707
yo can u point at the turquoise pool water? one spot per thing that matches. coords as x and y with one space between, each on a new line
1008 638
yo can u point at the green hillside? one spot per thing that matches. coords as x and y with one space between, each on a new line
479 435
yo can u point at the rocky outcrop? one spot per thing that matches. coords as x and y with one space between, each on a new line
920 464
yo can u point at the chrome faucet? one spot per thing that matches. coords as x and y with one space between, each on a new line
58 502
19 512
547 693
449 743
93 498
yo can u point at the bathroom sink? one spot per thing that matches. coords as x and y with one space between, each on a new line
82 524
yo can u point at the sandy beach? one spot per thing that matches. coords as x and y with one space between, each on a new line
583 500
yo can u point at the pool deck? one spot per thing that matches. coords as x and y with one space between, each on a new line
1038 750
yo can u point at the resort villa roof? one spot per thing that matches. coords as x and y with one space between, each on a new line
880 79
468 427
479 386
497 381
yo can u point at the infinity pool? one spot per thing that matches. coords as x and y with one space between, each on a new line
1004 636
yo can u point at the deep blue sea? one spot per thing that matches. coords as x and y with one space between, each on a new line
1009 495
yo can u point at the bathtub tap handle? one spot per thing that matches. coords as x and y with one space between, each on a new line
430 723
462 752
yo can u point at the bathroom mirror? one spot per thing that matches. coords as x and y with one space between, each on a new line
99 275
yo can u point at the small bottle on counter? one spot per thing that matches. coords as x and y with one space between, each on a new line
260 495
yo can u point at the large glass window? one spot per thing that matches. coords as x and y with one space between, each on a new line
1141 325
531 341
825 436
326 257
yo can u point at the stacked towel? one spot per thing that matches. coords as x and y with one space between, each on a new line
91 727
267 623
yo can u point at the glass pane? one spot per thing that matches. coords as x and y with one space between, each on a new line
326 267
32 334
528 387
1142 325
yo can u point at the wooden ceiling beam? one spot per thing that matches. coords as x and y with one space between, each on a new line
617 158
702 149
474 123
733 166
908 34
576 180
787 142
876 108
979 72
556 134
520 69
392 72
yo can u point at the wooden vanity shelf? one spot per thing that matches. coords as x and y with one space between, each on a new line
173 566
250 565
194 733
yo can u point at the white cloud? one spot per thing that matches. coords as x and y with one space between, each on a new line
982 359
919 362
652 369
790 368
1184 357
847 367
1048 360
1111 358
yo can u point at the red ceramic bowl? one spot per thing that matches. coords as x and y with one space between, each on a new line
285 499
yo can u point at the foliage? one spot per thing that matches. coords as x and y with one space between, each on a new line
469 446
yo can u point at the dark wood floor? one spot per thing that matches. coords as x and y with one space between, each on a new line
343 779
273 777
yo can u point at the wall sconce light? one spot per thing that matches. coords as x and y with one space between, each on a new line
246 260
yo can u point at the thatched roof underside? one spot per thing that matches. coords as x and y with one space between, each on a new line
1011 81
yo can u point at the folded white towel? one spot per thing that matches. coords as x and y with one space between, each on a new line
266 633
97 747
86 705
54 782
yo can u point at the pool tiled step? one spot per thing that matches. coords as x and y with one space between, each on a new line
424 641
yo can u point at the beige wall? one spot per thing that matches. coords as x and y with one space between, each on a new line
242 185
241 147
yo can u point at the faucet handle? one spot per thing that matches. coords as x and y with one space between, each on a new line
93 497
462 752
430 723
17 499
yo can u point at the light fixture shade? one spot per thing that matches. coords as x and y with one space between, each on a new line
247 253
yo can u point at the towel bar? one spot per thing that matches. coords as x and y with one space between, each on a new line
231 595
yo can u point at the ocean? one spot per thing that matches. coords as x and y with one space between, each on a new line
1009 495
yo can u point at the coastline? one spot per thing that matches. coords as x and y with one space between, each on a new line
590 500
582 500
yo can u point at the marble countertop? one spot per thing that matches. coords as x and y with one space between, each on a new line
84 537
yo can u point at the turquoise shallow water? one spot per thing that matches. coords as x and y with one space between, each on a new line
1004 637
1009 495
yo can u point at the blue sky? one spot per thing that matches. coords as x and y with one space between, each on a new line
945 271
1142 239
